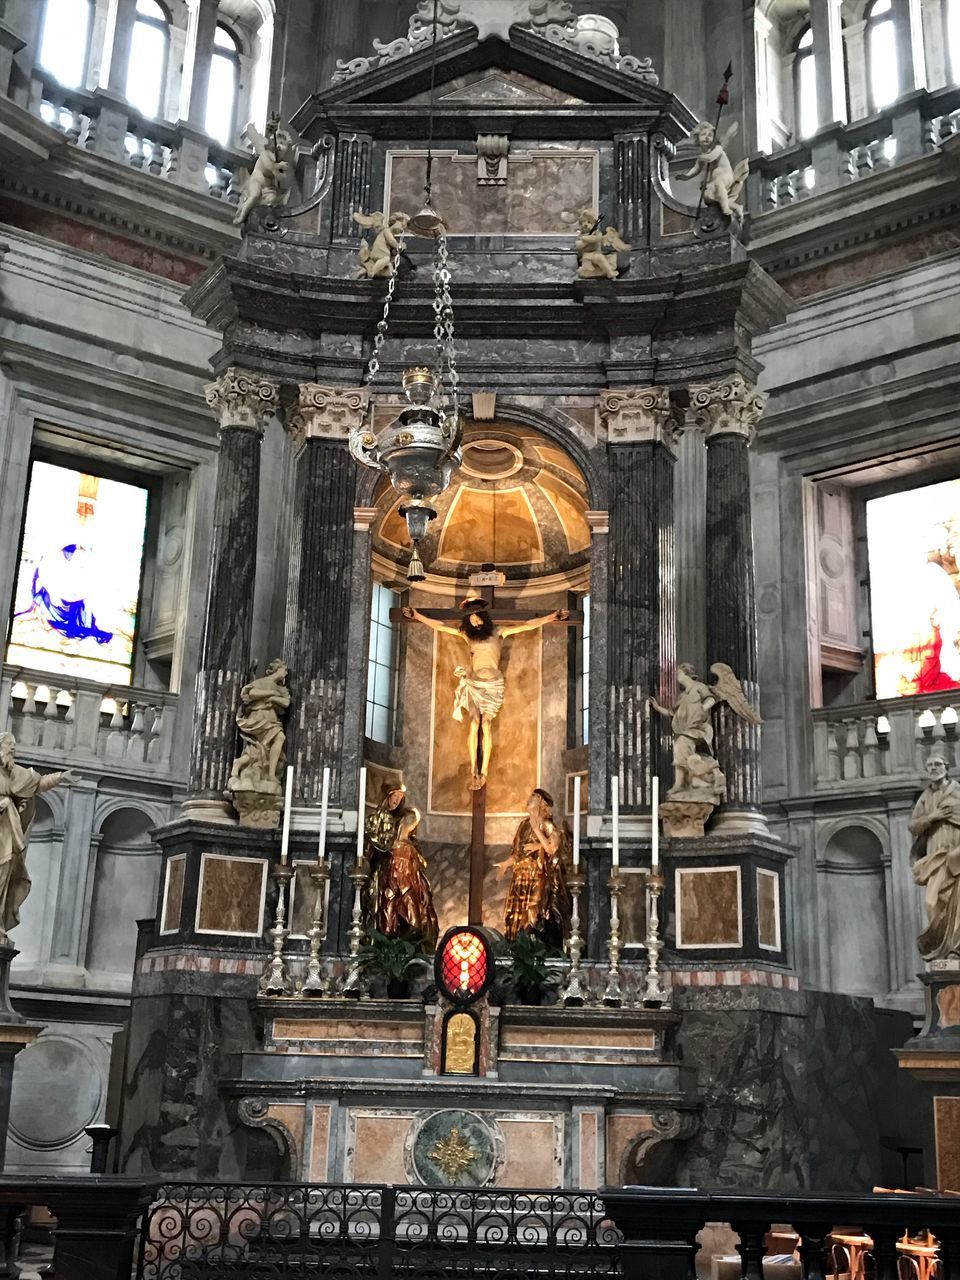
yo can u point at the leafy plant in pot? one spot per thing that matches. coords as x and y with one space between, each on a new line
530 979
391 960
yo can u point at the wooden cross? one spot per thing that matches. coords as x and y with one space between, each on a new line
501 613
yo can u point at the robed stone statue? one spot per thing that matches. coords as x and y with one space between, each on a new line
935 826
19 788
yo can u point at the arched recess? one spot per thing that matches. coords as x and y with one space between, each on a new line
852 894
124 890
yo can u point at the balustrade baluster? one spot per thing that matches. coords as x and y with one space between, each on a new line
750 1247
813 1249
885 1251
834 768
116 738
852 764
136 743
50 735
872 760
949 1238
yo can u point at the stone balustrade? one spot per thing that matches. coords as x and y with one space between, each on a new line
64 720
106 126
915 125
876 740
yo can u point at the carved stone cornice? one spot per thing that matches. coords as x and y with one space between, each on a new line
730 407
645 416
242 401
327 413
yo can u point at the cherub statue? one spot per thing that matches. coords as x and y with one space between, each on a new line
378 259
722 182
696 774
597 250
272 176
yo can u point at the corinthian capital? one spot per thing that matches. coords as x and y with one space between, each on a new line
645 416
242 401
730 407
329 413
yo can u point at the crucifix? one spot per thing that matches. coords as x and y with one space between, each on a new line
479 695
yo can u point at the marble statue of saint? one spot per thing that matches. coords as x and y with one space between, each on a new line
696 774
597 249
380 835
479 693
935 826
256 771
378 259
404 899
722 182
272 177
538 900
19 788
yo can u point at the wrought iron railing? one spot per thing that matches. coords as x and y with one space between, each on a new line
208 1232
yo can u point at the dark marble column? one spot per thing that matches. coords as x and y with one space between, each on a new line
316 643
630 157
351 182
242 403
728 414
641 603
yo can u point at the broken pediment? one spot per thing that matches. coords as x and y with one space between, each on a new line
503 88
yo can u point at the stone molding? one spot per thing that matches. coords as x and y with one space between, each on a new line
242 401
363 518
599 521
730 407
646 416
327 413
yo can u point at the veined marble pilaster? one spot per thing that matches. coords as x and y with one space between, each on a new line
242 403
641 636
319 595
727 413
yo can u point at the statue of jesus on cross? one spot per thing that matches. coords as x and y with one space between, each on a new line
479 693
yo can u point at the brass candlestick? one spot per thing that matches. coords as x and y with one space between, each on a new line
572 994
274 980
653 992
353 979
612 995
311 984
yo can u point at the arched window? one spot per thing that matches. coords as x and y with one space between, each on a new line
224 87
881 34
147 68
65 40
953 39
805 86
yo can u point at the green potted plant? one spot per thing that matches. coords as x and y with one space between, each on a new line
390 960
530 977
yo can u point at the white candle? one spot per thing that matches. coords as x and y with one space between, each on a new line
361 808
324 801
576 822
287 806
655 829
615 806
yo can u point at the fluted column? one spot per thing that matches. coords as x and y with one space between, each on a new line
242 404
641 610
728 413
316 637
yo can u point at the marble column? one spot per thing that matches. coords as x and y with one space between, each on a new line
727 413
316 643
242 403
641 628
825 22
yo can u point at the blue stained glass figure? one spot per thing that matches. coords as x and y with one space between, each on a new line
60 601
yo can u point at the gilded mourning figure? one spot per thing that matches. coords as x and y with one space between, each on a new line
19 788
935 826
538 900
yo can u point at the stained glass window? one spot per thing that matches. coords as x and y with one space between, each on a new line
78 582
64 40
147 68
913 543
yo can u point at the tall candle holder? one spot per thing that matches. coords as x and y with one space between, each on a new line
274 980
312 984
572 995
654 993
612 995
353 984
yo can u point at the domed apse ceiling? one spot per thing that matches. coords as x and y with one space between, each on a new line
518 503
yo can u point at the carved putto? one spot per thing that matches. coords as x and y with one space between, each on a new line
378 259
271 181
254 785
597 251
722 182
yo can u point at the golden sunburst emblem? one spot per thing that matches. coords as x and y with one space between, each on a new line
453 1154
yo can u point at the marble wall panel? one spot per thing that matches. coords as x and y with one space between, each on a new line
633 908
946 1124
589 1156
231 895
622 1131
319 1167
708 907
173 894
768 910
533 1151
374 1151
303 900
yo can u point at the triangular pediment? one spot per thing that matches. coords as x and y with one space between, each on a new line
502 88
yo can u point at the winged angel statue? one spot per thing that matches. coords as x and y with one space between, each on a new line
597 250
378 259
722 182
696 773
